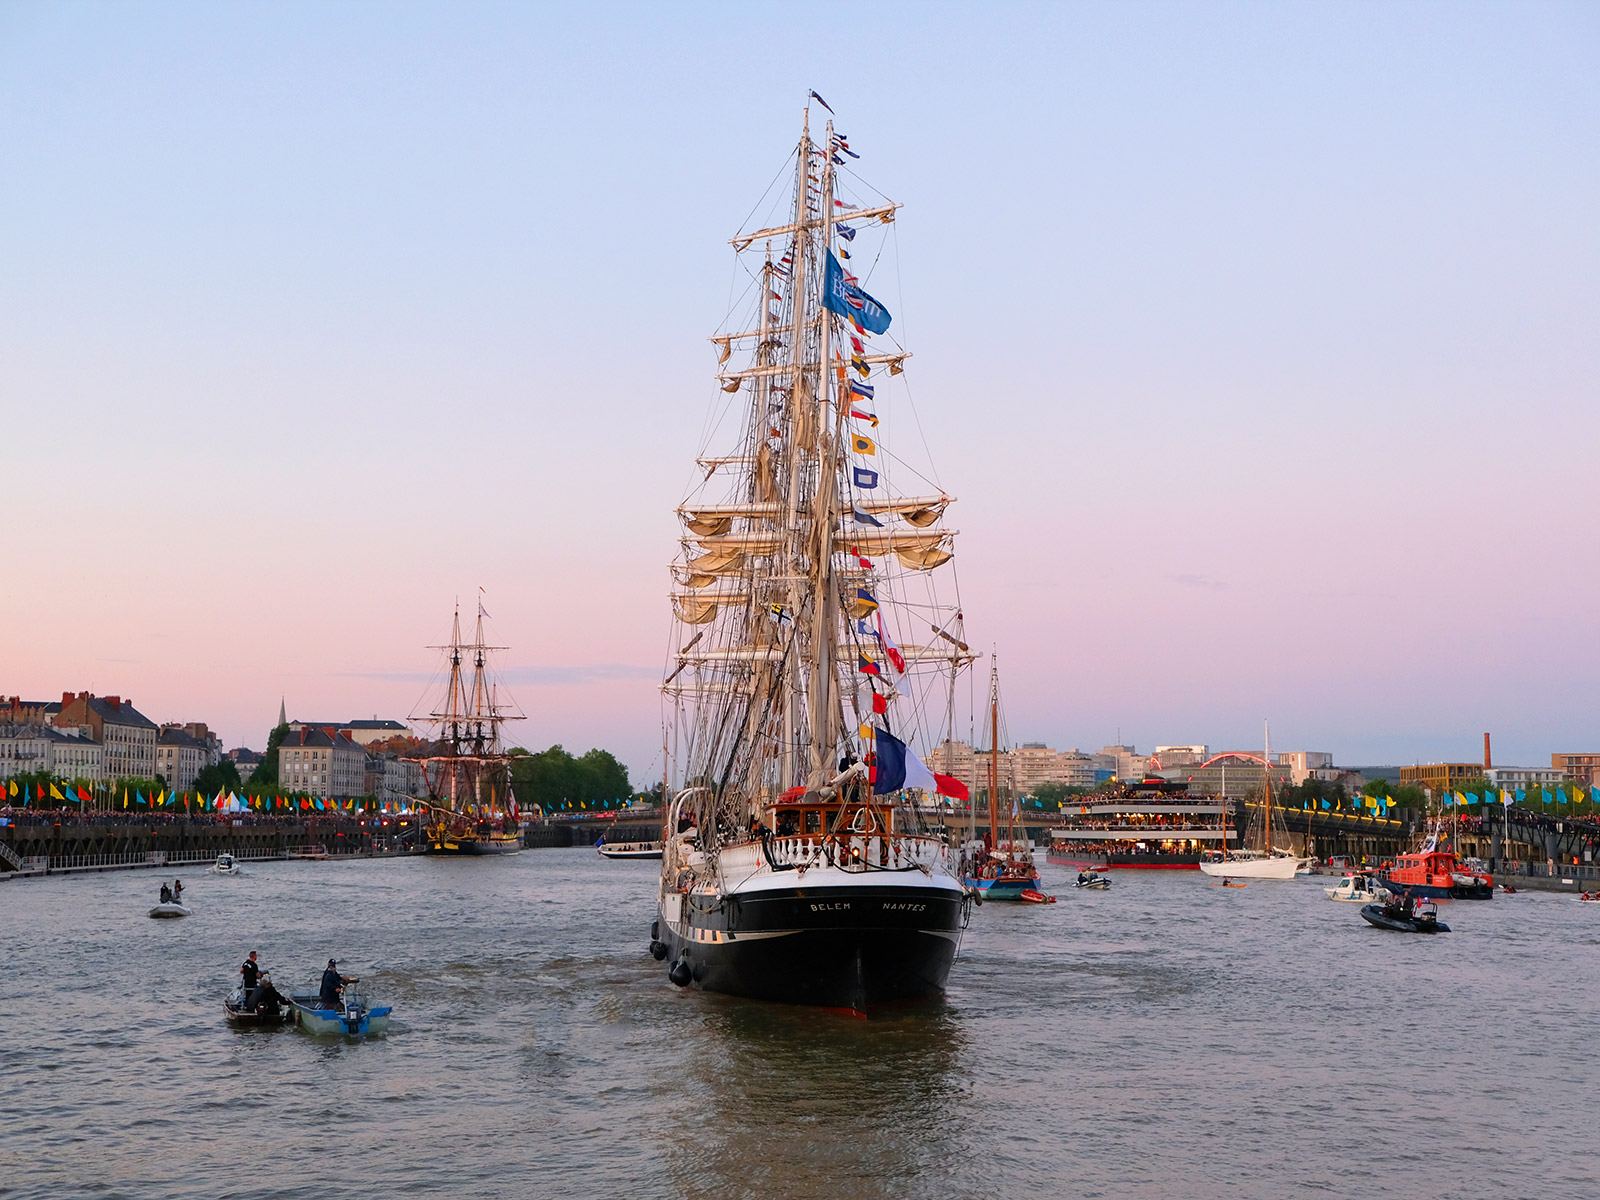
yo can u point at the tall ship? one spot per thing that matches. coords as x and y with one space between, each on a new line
999 868
814 643
1154 824
470 807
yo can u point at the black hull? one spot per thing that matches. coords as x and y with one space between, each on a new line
830 947
458 847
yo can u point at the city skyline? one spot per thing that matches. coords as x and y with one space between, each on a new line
1259 356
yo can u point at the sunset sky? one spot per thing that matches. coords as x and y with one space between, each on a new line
1260 345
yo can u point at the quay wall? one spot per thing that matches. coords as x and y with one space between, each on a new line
74 842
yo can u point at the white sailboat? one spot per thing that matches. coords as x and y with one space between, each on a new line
1265 854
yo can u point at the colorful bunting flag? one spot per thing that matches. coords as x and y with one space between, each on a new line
889 648
866 665
862 444
865 478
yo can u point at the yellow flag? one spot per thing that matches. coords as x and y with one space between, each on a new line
1577 795
124 797
13 787
55 793
866 733
862 444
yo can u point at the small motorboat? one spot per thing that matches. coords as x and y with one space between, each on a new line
1030 896
171 908
1403 917
226 864
355 1018
1089 881
1363 888
260 1005
628 849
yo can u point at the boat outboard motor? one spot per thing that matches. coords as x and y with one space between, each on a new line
679 973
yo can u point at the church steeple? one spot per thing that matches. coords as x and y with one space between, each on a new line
283 716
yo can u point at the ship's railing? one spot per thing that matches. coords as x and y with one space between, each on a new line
864 852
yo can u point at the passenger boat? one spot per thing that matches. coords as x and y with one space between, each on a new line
226 865
1360 887
1151 825
1264 855
471 807
797 866
1400 916
1434 871
355 1018
628 849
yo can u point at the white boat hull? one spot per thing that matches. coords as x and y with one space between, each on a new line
170 910
1253 868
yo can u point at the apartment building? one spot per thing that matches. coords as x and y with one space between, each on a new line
322 763
127 735
1580 768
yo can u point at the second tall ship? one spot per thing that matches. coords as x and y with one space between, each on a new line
470 806
796 866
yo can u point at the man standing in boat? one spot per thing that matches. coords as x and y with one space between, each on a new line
333 984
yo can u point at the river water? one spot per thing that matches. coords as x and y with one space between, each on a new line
1166 1038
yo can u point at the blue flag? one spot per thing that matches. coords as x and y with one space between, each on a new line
842 296
1521 795
862 518
863 390
1326 805
844 231
866 478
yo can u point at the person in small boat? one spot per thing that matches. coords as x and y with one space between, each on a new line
166 894
251 970
333 985
177 891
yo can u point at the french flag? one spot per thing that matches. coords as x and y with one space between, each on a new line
897 766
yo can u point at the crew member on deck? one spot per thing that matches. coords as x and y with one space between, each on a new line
333 984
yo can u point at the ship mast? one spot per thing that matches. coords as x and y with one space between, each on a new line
994 752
